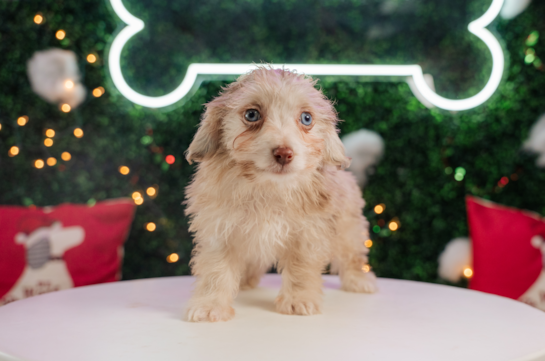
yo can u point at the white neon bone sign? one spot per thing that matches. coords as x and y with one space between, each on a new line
476 27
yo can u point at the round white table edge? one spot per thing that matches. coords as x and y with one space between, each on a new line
538 356
6 357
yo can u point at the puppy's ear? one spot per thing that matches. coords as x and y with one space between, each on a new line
334 150
207 139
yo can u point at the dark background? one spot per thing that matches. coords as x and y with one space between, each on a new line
414 179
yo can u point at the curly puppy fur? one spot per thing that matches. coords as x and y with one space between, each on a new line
249 212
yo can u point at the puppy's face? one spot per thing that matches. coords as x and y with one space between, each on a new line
273 124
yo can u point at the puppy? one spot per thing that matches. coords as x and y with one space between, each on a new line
270 190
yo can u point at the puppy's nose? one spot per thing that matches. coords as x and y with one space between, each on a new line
283 155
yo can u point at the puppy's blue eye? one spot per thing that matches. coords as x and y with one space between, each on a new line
252 115
306 118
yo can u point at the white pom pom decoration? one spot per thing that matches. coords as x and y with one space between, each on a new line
512 8
54 75
365 148
455 259
536 141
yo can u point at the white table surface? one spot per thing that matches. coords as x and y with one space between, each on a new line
142 320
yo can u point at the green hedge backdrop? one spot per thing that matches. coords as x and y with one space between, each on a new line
424 148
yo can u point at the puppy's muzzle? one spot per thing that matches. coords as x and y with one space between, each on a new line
283 155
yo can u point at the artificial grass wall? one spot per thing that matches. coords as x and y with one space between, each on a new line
424 147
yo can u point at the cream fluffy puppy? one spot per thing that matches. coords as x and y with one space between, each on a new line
270 190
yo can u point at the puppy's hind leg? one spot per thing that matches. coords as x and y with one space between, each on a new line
251 275
351 256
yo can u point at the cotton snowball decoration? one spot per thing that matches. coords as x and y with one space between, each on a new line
54 75
455 259
536 141
512 8
365 148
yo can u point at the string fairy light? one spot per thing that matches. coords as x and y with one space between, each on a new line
51 161
48 142
137 197
39 163
170 159
368 243
172 258
69 84
366 268
530 55
0 126
150 226
78 133
50 133
459 174
66 108
38 19
124 170
66 156
531 40
393 226
22 121
60 34
468 272
13 151
151 191
379 208
503 182
98 92
91 58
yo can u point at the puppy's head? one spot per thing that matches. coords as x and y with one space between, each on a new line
271 123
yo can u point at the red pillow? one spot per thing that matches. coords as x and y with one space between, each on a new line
53 248
507 251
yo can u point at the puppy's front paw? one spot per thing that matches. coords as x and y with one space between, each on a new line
298 306
210 313
360 282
